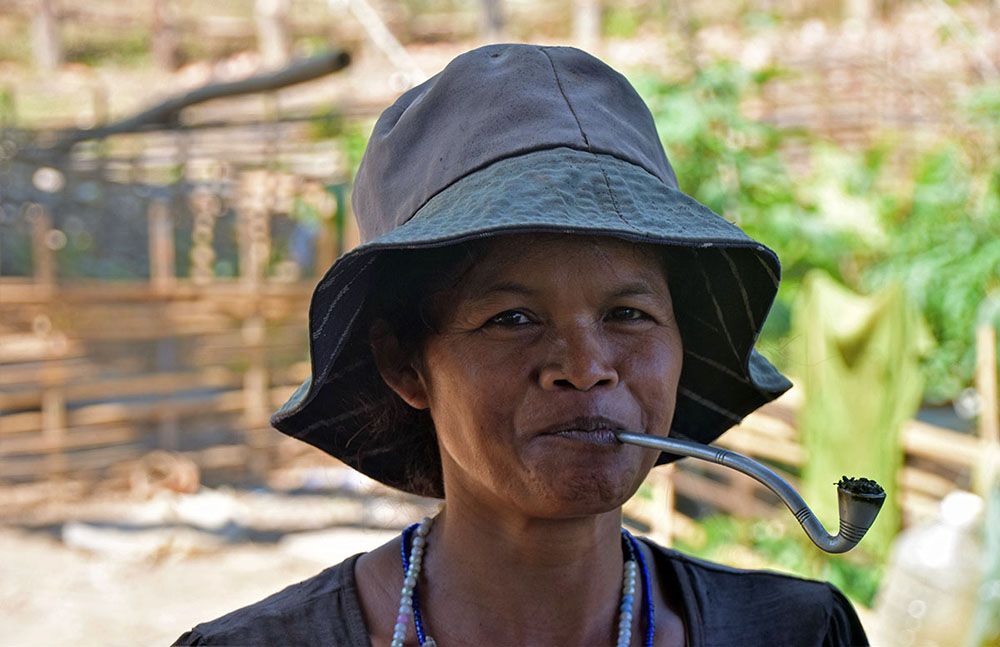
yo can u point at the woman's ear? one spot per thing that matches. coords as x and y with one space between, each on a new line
395 367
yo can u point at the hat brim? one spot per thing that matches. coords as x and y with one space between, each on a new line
728 281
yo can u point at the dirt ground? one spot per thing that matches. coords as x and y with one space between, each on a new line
112 569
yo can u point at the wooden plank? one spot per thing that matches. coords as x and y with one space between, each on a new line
17 423
937 444
21 468
762 446
92 292
133 385
73 440
926 482
719 495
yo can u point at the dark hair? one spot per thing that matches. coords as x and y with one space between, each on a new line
404 297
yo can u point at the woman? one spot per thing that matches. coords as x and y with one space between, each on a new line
531 281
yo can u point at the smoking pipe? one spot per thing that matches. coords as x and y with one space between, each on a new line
860 499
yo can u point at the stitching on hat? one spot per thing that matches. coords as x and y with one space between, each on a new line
329 422
718 310
611 193
566 99
708 404
743 290
339 268
586 140
340 342
703 322
350 368
722 368
767 268
343 291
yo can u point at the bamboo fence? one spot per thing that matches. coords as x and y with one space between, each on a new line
937 461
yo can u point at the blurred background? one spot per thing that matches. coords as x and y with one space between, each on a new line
175 177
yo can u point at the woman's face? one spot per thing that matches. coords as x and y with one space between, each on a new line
543 348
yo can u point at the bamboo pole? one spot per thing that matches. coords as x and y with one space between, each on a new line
164 42
41 252
664 502
273 41
46 43
162 255
987 469
54 429
256 396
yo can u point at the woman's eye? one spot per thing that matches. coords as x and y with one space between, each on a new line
511 318
628 314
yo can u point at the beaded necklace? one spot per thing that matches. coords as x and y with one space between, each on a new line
413 556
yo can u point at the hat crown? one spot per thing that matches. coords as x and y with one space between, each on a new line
492 103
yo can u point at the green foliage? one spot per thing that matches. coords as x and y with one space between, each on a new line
932 224
621 22
733 164
782 546
944 216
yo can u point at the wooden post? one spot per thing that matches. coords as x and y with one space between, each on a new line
42 256
205 207
988 469
492 20
54 429
164 37
253 225
256 395
986 383
587 24
664 500
162 260
271 18
168 428
46 45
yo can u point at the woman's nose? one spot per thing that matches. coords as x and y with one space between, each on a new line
580 360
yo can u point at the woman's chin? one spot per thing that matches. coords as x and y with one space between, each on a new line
575 490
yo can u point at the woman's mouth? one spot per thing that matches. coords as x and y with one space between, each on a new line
593 430
594 436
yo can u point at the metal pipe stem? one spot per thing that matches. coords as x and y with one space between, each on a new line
857 509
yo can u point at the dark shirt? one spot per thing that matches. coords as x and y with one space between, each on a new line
720 606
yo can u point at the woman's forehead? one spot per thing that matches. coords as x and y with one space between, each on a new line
534 258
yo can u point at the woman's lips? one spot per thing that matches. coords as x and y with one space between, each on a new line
594 430
596 436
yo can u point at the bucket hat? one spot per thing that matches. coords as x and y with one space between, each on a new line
518 138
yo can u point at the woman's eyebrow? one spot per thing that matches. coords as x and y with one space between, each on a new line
637 288
504 286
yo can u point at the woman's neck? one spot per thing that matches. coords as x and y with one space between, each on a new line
506 579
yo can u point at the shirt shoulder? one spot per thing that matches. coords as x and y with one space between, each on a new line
733 606
321 610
